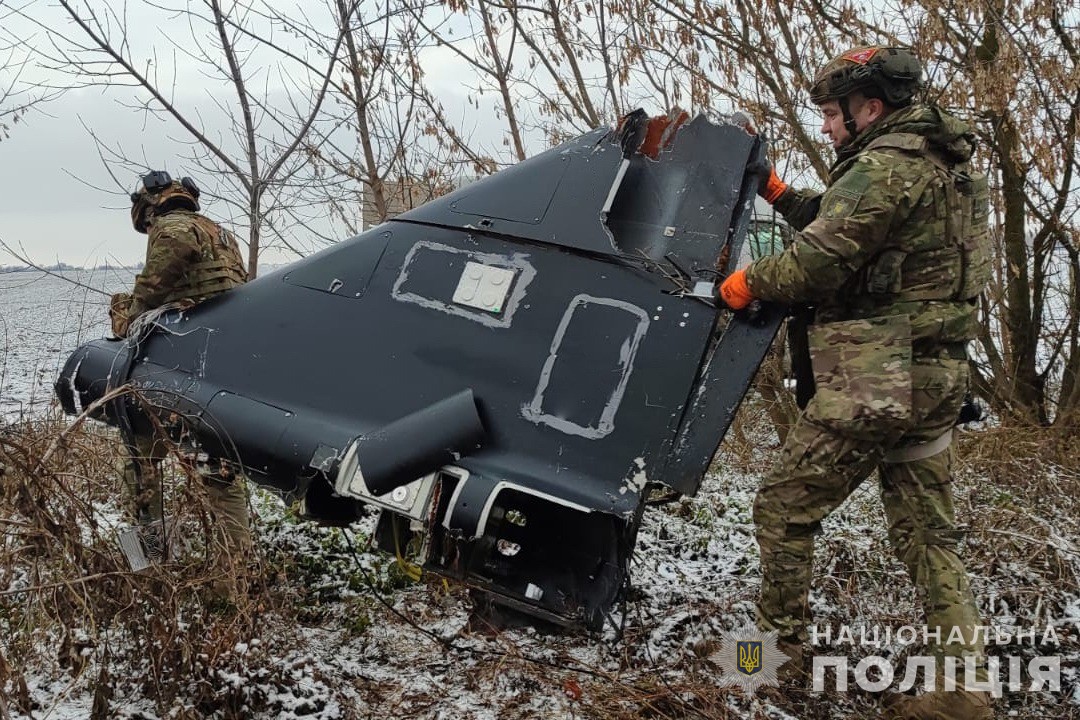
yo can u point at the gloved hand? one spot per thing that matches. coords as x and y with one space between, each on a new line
119 313
773 187
735 291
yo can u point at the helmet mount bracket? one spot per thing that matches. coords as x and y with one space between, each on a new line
161 194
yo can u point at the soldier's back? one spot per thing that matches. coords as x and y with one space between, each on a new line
205 256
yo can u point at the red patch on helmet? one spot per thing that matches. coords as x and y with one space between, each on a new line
861 57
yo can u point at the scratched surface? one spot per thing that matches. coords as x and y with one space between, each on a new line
345 342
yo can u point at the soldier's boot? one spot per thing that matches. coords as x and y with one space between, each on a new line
959 704
145 543
793 673
793 680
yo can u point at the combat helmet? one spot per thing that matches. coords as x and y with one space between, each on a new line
893 75
160 191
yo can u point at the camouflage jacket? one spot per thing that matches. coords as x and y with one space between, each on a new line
188 257
884 238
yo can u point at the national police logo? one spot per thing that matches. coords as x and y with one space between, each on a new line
749 659
749 656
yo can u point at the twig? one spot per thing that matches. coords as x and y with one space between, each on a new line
1049 542
22 258
63 583
449 645
58 440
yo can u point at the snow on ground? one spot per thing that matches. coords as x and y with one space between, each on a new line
323 645
695 574
42 319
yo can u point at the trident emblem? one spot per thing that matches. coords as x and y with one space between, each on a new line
749 656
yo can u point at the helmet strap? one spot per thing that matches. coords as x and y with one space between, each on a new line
849 121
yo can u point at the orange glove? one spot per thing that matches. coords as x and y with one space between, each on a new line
773 188
735 291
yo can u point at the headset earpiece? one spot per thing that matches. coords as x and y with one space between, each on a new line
189 185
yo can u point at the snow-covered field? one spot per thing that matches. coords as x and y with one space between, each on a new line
334 633
42 319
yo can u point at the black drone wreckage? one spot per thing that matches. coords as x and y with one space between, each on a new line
506 372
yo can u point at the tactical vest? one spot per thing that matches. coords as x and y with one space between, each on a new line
962 208
221 267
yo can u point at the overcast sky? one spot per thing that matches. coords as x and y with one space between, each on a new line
50 167
57 199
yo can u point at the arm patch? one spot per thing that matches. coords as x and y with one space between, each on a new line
842 198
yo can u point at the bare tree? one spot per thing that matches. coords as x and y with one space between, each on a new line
372 127
1028 127
576 36
486 40
371 153
12 106
555 68
761 56
249 136
17 95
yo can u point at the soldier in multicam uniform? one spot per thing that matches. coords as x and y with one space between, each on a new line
893 254
189 258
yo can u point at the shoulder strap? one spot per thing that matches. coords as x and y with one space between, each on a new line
909 142
210 228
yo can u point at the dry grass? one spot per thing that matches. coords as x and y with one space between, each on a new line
69 607
1017 494
166 632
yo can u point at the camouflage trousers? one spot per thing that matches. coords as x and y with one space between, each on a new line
228 499
822 463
